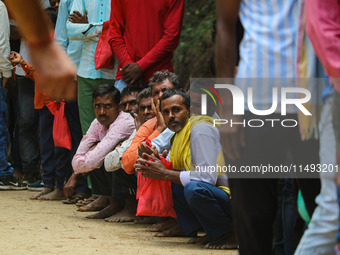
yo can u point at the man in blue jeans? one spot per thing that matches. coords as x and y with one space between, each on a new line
7 181
201 196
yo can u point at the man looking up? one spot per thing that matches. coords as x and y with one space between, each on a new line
195 147
108 129
156 24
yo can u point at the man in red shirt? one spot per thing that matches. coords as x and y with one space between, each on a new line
143 35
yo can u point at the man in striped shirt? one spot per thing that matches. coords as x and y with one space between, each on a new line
267 54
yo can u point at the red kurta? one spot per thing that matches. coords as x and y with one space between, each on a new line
145 32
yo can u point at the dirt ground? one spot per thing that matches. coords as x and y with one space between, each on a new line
50 227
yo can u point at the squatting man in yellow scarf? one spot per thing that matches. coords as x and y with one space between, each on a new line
200 193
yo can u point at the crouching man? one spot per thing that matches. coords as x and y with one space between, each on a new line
110 128
200 195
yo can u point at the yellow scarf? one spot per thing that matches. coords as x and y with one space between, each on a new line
180 154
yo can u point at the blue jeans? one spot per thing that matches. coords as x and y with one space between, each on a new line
200 205
5 169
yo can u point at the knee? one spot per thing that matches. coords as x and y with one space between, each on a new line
194 191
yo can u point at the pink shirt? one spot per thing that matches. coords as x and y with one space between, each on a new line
323 29
121 129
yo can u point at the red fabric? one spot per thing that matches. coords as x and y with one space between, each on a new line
145 32
155 196
61 131
103 56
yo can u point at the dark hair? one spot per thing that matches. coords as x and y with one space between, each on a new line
52 14
145 93
129 90
161 76
172 92
107 89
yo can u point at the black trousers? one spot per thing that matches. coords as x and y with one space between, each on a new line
254 200
117 184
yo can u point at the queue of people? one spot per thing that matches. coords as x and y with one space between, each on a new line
139 148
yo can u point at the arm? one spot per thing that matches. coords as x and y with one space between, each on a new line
60 27
5 64
116 33
323 29
227 15
83 31
86 160
130 157
17 59
46 55
205 147
162 142
170 39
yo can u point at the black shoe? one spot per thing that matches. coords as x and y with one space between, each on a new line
30 178
36 186
10 183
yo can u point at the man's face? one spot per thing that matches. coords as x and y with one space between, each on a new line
129 103
158 89
145 109
175 113
105 109
55 4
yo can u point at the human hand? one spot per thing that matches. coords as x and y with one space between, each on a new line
145 151
152 169
131 73
15 58
4 82
76 17
160 120
55 70
69 187
138 121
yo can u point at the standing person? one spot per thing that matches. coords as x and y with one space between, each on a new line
45 54
321 235
28 119
157 25
7 181
73 49
267 50
86 23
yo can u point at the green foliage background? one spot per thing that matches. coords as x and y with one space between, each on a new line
194 56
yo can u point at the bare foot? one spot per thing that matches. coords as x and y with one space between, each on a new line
99 204
146 220
221 243
86 201
162 226
128 214
108 211
56 194
45 191
172 232
199 240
